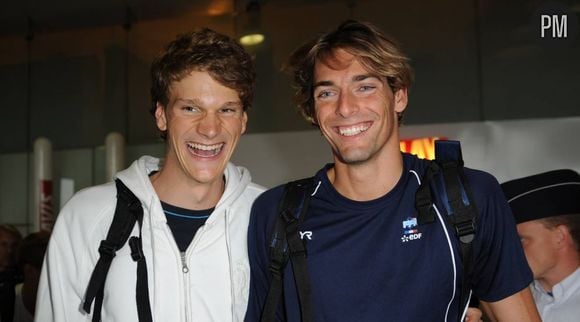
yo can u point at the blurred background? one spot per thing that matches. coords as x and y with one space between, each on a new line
73 72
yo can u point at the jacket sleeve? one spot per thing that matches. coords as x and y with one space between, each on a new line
68 264
261 222
58 298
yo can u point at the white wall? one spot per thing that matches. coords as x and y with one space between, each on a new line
507 149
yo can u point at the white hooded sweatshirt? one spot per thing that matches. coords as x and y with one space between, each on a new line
210 283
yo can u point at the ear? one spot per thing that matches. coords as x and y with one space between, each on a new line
313 119
401 100
244 122
160 117
563 237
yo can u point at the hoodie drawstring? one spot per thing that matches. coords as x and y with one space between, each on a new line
230 264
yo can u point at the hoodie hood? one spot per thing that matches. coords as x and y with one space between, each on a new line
237 179
136 178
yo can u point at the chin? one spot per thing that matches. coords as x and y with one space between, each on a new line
205 180
206 176
353 157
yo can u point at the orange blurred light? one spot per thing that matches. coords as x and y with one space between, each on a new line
422 147
219 7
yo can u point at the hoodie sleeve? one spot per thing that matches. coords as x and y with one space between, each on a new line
57 294
68 263
264 212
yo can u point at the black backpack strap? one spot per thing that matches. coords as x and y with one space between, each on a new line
141 290
128 211
286 244
278 259
461 209
423 196
298 256
461 206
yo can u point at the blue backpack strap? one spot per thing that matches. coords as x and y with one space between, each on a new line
285 244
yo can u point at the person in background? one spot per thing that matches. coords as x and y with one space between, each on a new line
352 83
30 256
195 204
10 238
547 211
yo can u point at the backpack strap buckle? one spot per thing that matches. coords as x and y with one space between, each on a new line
465 231
107 249
136 249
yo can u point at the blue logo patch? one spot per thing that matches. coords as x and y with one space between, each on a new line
410 230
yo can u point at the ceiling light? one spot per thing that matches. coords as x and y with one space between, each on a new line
251 39
251 33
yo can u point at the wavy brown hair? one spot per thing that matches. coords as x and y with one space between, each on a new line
203 50
379 54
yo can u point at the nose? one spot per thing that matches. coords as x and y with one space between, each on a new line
346 105
209 125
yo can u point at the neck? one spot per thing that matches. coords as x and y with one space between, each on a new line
367 180
565 267
185 192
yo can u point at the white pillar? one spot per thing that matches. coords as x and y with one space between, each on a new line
43 218
114 155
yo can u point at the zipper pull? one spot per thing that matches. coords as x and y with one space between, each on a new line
184 267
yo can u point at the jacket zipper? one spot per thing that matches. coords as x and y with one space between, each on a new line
185 270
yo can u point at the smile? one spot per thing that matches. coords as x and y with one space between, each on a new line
353 130
206 151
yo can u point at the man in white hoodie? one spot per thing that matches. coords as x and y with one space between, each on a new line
195 205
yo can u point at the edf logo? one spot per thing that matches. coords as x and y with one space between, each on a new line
556 24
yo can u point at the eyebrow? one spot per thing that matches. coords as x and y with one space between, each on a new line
197 102
188 101
359 78
233 104
356 78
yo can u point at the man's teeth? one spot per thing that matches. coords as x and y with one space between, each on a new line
205 147
205 150
354 130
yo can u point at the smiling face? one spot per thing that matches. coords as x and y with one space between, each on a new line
204 121
355 109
